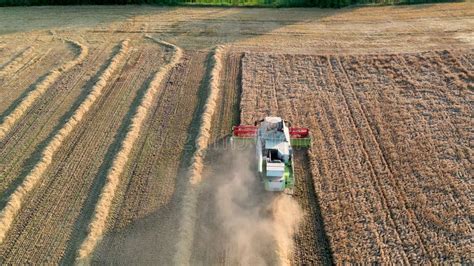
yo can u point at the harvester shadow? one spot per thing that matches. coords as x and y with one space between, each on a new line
30 163
113 249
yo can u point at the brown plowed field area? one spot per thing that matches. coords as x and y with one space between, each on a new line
387 93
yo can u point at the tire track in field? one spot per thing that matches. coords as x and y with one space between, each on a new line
398 255
383 158
74 181
189 211
453 91
22 146
446 212
461 73
7 215
18 85
31 61
97 226
334 121
16 62
311 242
145 220
447 92
9 120
429 93
310 246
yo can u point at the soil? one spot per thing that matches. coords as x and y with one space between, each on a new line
385 91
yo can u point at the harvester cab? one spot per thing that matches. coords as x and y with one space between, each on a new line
274 140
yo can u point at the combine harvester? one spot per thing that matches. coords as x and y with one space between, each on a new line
274 140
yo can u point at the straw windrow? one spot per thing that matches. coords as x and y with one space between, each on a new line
102 209
13 206
40 88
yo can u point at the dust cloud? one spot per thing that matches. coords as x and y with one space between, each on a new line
249 226
195 171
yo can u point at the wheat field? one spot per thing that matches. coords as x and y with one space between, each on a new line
114 127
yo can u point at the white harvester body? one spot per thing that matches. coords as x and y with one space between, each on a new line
274 141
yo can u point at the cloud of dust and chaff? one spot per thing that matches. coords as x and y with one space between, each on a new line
257 226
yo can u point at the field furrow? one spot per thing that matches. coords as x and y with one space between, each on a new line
21 147
311 242
147 205
79 165
16 62
97 226
368 115
16 86
24 104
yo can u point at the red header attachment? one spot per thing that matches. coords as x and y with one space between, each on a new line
299 132
247 131
244 131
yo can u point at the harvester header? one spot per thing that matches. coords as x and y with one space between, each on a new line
274 141
299 136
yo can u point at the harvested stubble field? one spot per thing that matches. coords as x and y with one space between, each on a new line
387 93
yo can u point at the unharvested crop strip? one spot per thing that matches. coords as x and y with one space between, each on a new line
40 88
400 195
188 212
102 209
352 118
16 63
13 206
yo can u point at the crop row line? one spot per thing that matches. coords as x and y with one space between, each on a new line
40 89
189 212
102 209
13 206
15 63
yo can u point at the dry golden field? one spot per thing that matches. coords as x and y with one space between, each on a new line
390 159
114 123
